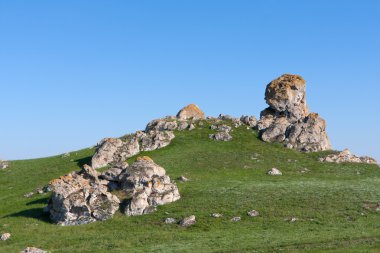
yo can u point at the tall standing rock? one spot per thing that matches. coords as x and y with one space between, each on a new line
191 111
287 119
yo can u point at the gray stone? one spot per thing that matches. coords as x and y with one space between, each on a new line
3 165
183 125
81 198
183 179
149 185
191 127
156 139
253 213
250 121
161 125
347 157
236 219
170 221
5 237
221 136
33 250
28 195
274 172
188 221
216 215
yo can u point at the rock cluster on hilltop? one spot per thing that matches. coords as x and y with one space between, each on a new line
84 197
347 157
287 119
157 134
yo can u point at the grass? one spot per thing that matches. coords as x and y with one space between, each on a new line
226 177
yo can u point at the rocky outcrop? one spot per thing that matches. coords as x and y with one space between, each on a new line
191 111
347 157
115 151
81 198
250 121
148 185
287 119
157 134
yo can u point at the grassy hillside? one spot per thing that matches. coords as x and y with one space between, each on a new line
226 177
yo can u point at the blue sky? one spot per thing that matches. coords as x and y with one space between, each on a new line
73 72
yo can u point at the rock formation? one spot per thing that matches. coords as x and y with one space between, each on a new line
33 250
287 119
347 157
81 198
157 134
223 133
191 111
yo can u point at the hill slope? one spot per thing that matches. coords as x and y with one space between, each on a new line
226 177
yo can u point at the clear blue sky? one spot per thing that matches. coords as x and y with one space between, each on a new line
73 72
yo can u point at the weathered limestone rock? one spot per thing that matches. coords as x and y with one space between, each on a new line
112 151
156 139
170 221
288 120
287 95
236 219
223 133
347 157
309 135
183 125
250 121
81 198
188 221
165 124
191 111
253 213
274 172
149 186
33 250
5 237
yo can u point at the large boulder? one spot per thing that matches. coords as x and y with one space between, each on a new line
148 185
287 95
191 111
81 198
3 165
287 119
156 139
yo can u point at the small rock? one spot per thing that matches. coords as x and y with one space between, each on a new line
216 215
192 127
183 179
293 219
3 165
188 221
29 194
5 236
221 136
39 191
65 155
33 250
183 125
253 213
170 220
236 219
274 172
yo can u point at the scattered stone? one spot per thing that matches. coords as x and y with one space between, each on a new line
305 170
3 165
5 237
274 172
216 215
183 125
192 127
347 157
183 179
293 220
253 213
188 221
191 111
33 250
287 119
170 221
65 155
149 186
225 117
236 219
81 198
28 195
250 121
39 191
221 136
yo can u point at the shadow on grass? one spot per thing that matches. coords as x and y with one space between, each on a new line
81 162
38 201
35 213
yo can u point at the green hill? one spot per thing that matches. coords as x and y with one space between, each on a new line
226 177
